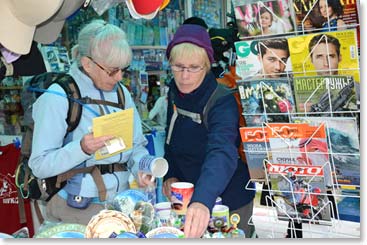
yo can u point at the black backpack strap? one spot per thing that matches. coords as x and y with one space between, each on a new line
220 91
87 100
72 91
70 87
120 97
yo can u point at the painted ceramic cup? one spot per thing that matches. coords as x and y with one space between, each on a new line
181 193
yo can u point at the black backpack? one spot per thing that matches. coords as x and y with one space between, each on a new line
28 185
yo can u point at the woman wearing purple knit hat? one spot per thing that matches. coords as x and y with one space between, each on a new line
203 152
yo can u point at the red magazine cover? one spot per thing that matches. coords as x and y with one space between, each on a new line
256 149
300 171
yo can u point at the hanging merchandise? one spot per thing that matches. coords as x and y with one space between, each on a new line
143 9
12 219
19 20
164 4
8 55
100 6
49 31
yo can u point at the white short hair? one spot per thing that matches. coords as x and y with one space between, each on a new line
105 43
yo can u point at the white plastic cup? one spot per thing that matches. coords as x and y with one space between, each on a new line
155 166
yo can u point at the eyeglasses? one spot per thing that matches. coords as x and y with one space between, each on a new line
109 73
192 69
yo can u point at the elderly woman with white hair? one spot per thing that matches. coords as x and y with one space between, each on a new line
103 56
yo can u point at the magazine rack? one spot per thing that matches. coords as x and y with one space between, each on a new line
305 199
330 198
327 100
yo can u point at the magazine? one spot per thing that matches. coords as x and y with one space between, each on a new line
312 15
299 171
343 144
325 94
255 142
247 63
300 195
299 144
263 58
349 205
266 100
56 58
325 53
64 59
263 18
256 147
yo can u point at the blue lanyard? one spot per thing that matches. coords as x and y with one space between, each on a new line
41 90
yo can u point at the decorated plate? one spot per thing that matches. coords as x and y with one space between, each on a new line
165 232
107 222
127 235
125 201
63 231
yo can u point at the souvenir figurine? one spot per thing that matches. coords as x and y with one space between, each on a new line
235 232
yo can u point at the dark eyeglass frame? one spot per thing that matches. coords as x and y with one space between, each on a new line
109 73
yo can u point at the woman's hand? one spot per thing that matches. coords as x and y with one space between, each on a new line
196 220
145 180
91 144
167 187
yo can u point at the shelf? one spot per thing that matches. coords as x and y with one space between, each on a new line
148 47
11 88
156 72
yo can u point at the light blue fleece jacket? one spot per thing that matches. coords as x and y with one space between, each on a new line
52 154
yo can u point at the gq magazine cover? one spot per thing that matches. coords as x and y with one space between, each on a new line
263 58
325 53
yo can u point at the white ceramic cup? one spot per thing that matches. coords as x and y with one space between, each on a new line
162 206
163 212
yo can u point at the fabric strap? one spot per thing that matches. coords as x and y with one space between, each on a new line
96 174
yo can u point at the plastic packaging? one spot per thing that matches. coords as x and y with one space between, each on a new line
100 6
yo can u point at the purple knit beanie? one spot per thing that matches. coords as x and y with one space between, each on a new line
195 34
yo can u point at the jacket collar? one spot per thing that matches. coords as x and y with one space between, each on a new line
196 100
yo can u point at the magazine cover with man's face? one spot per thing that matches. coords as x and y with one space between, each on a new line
325 53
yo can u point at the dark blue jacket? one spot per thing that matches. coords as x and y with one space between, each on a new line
208 158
